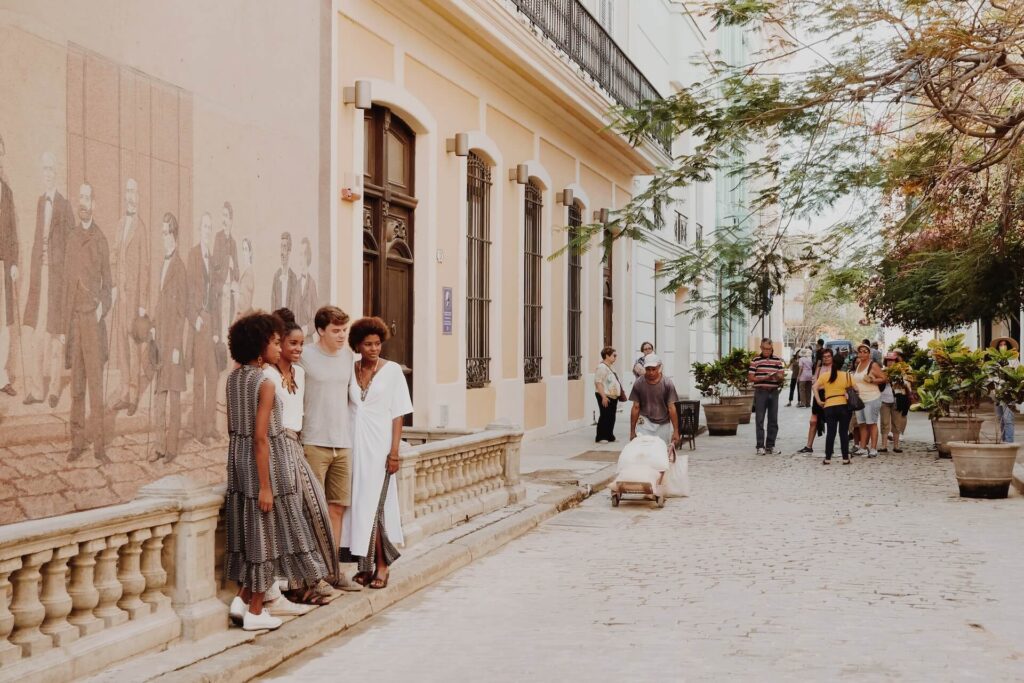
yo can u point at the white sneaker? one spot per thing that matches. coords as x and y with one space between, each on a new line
772 451
760 451
283 607
260 622
274 592
237 610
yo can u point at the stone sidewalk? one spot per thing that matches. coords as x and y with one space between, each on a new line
777 568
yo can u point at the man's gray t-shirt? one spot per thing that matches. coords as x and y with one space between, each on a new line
327 421
654 399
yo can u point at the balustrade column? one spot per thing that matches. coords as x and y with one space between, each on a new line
153 568
28 611
8 651
107 583
56 599
129 574
84 596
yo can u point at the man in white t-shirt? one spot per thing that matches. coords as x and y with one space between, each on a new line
326 427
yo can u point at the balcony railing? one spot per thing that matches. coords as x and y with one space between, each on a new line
569 25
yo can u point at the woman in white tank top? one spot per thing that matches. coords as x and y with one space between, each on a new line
867 375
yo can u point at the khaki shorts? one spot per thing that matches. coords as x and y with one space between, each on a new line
333 468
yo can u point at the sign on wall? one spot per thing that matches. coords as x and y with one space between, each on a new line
446 310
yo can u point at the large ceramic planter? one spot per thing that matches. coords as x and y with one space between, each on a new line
722 419
983 470
946 429
742 404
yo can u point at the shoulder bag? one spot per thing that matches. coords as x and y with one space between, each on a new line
853 400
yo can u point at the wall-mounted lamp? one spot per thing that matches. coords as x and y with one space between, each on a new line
520 174
601 215
360 95
351 187
458 144
566 196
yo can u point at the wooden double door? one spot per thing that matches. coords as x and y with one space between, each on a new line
389 207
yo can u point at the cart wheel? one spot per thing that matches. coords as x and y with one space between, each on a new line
661 501
615 500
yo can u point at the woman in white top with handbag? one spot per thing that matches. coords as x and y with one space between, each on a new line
608 390
867 377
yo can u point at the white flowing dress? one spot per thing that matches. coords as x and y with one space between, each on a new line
387 398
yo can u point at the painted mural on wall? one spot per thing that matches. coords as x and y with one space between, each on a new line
117 293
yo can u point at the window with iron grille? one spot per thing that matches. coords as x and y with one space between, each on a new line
532 307
478 272
575 369
682 226
698 238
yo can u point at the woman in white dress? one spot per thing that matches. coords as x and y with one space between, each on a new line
379 400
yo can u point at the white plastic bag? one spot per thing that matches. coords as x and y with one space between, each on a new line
677 477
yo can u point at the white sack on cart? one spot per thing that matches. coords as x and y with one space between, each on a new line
646 451
677 478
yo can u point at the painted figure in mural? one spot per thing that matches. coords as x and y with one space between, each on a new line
130 269
283 294
170 319
308 302
243 289
9 258
87 301
225 268
44 353
204 333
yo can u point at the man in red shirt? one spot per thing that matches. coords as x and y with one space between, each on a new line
766 373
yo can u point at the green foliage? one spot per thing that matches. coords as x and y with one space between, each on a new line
735 367
916 356
709 378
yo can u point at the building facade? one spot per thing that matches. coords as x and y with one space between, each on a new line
421 161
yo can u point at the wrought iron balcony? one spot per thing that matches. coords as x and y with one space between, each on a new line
569 25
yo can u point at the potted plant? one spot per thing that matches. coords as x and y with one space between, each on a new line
709 379
985 470
739 395
953 392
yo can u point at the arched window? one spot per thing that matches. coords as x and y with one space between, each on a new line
478 272
575 299
532 307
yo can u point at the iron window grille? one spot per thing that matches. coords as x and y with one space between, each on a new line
698 238
682 227
576 32
478 275
532 306
575 369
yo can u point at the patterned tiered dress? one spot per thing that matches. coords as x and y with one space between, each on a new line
264 546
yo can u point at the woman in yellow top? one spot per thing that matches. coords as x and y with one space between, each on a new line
833 383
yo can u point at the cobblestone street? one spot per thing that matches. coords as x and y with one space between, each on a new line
776 568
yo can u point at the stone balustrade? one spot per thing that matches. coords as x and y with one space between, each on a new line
81 591
443 483
415 436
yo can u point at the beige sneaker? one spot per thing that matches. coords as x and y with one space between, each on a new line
283 607
346 584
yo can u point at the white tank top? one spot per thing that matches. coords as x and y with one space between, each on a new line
868 391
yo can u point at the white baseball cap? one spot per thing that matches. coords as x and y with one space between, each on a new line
651 361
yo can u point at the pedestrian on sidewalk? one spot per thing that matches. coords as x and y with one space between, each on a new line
379 395
830 394
326 422
876 353
816 356
266 531
794 374
646 349
806 377
895 406
1004 411
290 385
868 379
608 392
654 404
766 373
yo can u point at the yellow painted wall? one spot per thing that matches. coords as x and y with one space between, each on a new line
562 168
577 398
536 405
480 407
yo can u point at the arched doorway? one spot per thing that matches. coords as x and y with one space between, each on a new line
389 206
